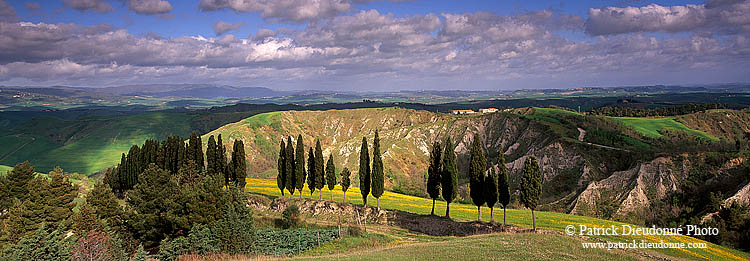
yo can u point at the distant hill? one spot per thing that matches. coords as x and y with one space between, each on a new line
204 91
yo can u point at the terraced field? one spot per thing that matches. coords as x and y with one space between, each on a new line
522 218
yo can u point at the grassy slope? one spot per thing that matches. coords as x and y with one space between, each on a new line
522 218
96 145
652 126
493 246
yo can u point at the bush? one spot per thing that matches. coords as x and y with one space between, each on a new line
285 242
290 217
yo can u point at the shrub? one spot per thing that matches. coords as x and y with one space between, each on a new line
290 217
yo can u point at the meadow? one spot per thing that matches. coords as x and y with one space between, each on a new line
652 127
515 217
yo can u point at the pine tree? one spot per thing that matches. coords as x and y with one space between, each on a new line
103 203
490 192
531 185
320 179
290 165
153 206
19 180
449 180
58 198
331 175
364 171
434 172
6 200
311 172
238 164
281 167
378 177
221 159
345 182
477 165
299 168
211 153
503 187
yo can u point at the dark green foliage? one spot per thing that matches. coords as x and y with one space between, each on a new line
331 174
221 159
299 168
364 171
170 250
19 180
39 245
281 167
320 180
202 200
201 240
662 111
434 172
285 242
477 165
449 177
531 185
6 200
345 181
290 167
140 254
195 151
311 171
211 156
490 188
154 207
290 217
58 196
378 177
238 165
503 187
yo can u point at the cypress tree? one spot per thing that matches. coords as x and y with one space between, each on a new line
378 177
434 172
331 175
320 179
531 185
364 171
290 165
490 192
503 187
345 182
194 151
221 159
449 180
211 156
311 172
238 164
281 167
120 175
19 180
299 168
477 165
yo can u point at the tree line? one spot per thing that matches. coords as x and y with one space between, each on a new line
292 170
618 111
173 154
485 185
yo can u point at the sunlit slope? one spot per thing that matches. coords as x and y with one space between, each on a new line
522 218
87 146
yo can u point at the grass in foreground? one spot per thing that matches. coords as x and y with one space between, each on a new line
522 218
488 247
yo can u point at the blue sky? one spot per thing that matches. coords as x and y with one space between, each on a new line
389 45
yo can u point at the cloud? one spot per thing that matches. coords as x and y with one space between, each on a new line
7 12
263 33
98 6
222 27
31 6
150 7
722 16
297 11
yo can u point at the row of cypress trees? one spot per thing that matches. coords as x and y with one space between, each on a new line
292 174
485 186
371 179
173 154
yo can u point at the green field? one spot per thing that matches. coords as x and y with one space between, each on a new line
522 218
652 127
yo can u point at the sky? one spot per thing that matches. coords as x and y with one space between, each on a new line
372 45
